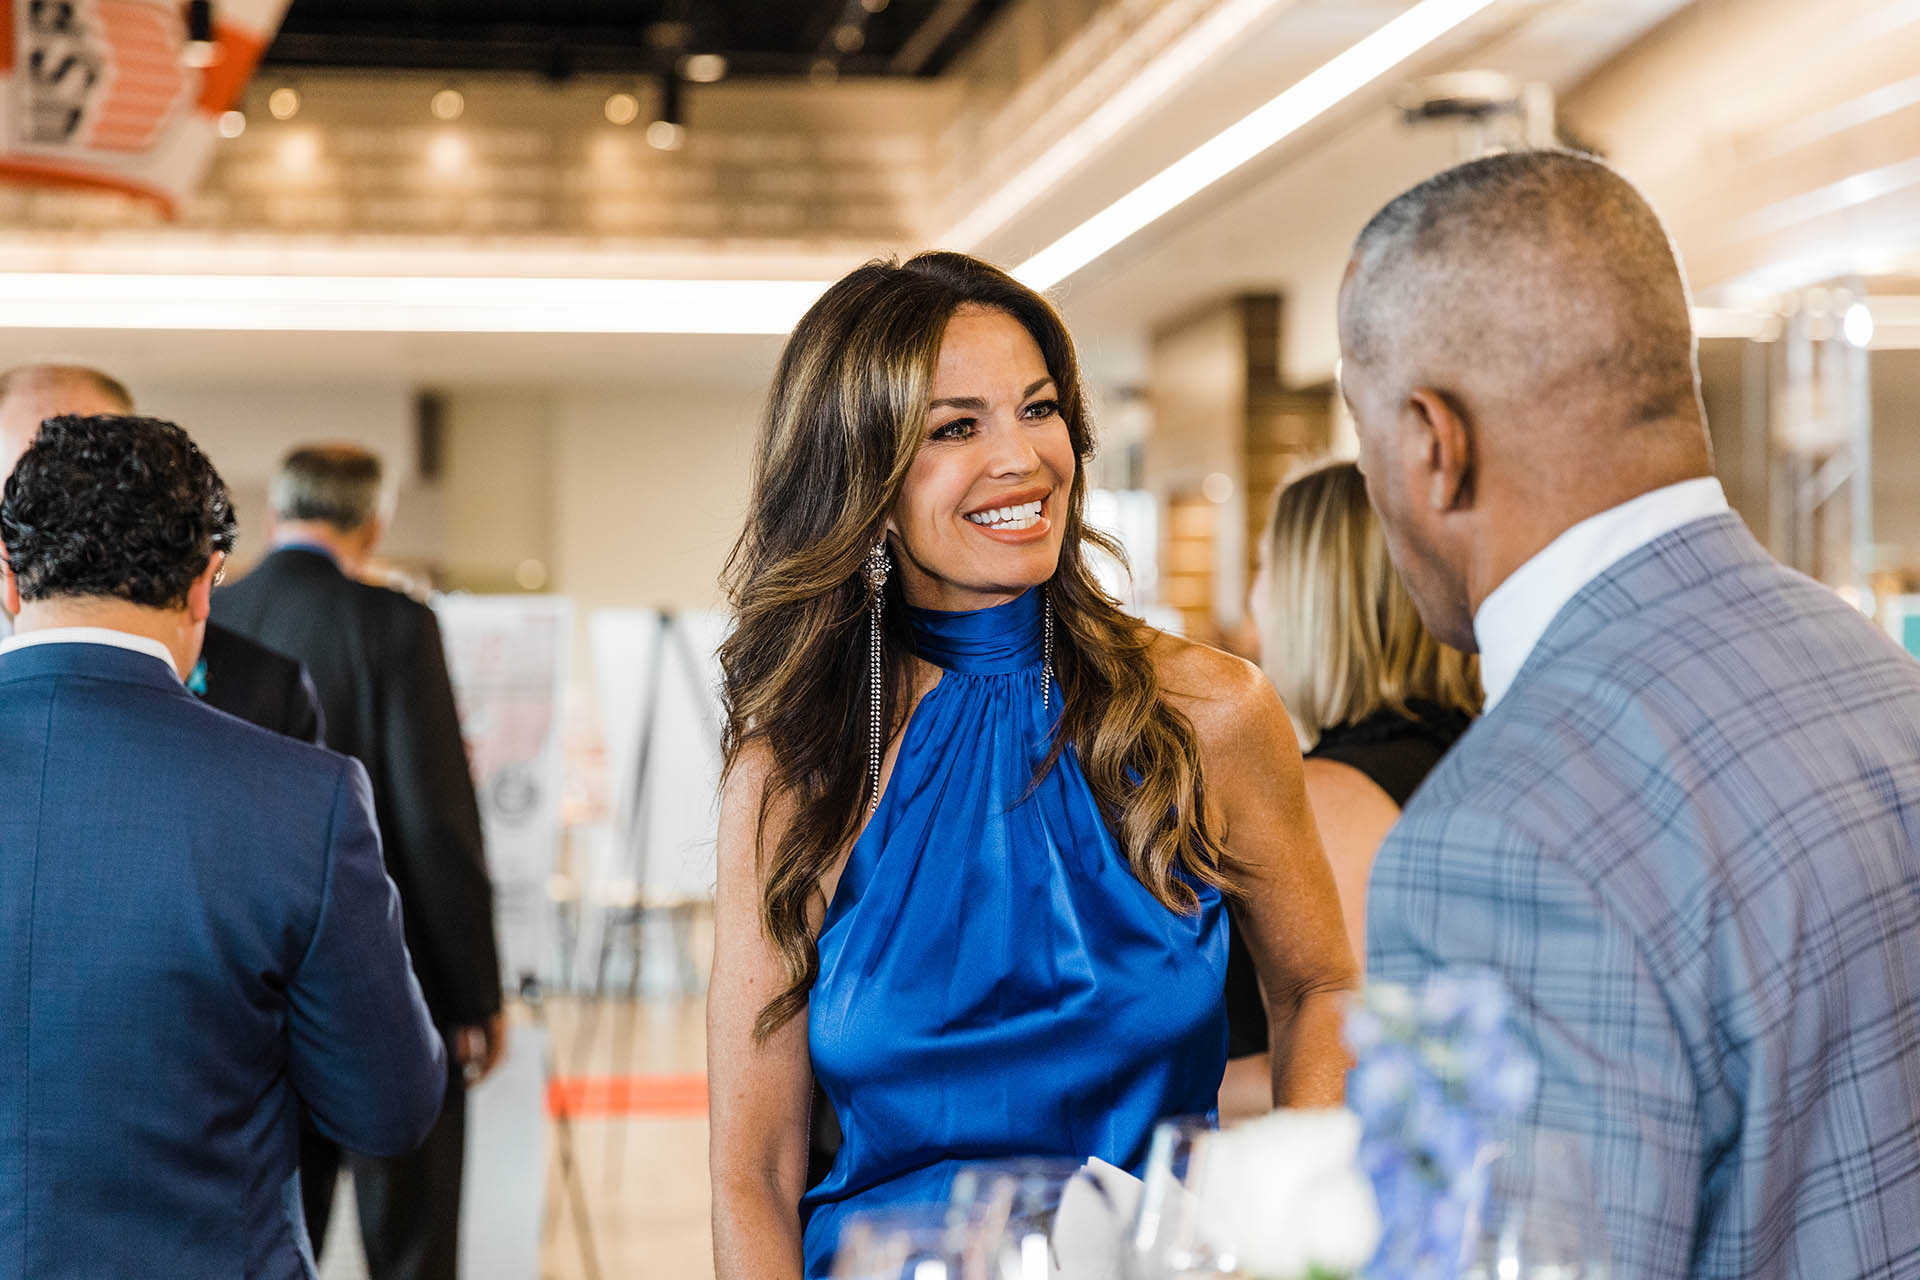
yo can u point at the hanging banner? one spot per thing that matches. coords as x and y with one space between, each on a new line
107 94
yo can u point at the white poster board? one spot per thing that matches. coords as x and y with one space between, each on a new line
657 683
508 658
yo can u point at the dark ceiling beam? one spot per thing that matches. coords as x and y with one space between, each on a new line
927 39
558 57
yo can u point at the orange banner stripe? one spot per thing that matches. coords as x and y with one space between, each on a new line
226 80
684 1095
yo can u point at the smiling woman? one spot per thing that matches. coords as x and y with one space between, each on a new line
980 828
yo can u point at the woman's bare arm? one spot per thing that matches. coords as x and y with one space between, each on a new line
1354 816
1291 910
760 1093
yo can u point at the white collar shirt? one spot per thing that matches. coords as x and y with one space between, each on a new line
93 635
1513 617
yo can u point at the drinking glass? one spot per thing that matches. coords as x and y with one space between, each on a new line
1171 1238
1542 1222
907 1242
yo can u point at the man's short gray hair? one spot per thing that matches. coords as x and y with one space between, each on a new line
337 484
1549 243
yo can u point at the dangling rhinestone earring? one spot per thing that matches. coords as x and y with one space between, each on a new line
1046 652
877 567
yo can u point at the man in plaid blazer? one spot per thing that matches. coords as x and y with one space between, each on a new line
1687 830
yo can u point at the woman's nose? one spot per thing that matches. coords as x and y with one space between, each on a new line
1013 453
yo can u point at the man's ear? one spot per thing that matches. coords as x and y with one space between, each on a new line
1446 446
200 594
10 592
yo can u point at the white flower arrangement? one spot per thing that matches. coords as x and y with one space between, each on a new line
1285 1195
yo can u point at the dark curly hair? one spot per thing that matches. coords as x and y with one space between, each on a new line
120 507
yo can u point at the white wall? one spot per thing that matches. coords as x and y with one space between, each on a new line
652 485
246 428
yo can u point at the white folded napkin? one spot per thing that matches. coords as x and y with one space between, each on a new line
1090 1227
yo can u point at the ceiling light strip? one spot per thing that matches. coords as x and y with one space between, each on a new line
1142 91
1302 102
400 304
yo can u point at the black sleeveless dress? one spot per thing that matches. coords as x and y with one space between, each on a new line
1396 753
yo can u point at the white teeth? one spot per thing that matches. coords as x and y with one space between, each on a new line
1024 516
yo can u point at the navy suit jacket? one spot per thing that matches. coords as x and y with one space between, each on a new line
260 686
1689 839
196 937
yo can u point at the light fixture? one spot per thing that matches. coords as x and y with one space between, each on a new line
448 152
231 124
284 102
401 304
299 151
873 6
668 130
1302 102
704 68
1856 326
622 108
824 71
849 38
200 49
1143 91
448 104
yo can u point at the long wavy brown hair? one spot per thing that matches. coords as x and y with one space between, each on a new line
846 414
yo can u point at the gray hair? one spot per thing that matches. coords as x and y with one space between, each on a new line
338 484
1545 267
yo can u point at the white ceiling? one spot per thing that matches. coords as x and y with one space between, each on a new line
1283 224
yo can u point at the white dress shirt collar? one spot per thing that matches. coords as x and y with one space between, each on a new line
1511 620
93 635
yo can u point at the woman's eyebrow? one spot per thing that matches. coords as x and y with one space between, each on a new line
978 405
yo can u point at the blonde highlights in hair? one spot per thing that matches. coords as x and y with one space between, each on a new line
1339 635
845 417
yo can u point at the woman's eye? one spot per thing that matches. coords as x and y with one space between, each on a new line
958 429
1042 409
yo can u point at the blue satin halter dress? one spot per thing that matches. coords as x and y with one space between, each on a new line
994 981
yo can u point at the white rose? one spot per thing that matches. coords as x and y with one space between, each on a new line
1284 1194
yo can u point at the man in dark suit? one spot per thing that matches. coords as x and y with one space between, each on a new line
234 674
197 936
376 659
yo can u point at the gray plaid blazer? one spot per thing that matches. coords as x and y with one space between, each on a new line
1689 839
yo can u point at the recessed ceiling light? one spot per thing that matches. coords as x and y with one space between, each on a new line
284 102
622 108
232 124
704 68
665 135
448 104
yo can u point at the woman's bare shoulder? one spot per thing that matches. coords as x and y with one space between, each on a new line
754 808
1226 697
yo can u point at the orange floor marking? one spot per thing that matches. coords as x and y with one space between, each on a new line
684 1095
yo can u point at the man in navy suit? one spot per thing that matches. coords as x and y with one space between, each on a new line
197 934
235 674
1686 831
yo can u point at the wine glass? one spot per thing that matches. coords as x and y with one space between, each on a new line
1542 1222
1171 1238
905 1242
1021 1199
